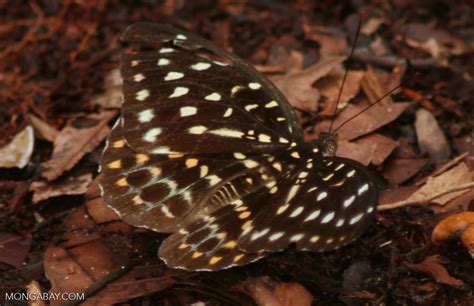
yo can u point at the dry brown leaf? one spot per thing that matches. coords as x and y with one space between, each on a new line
44 130
363 124
456 176
400 169
373 148
296 84
374 89
331 41
74 141
434 266
266 292
17 152
330 85
371 25
34 289
14 248
431 138
76 185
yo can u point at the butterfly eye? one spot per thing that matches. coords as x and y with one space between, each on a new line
209 150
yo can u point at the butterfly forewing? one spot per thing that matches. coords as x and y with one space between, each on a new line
171 89
207 149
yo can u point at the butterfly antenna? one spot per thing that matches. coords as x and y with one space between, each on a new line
377 101
346 72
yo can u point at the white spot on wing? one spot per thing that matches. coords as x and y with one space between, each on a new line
363 189
271 104
163 62
142 94
173 75
328 217
166 50
356 218
228 112
197 130
150 135
259 234
313 215
200 66
179 91
250 107
255 86
321 196
297 212
349 201
186 111
138 77
227 133
145 115
264 138
296 238
276 236
213 179
213 97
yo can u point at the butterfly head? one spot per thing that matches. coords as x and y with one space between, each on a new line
327 143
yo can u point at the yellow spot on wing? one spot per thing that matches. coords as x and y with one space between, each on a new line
246 224
137 200
175 155
191 162
238 257
183 246
196 255
141 158
230 245
122 182
214 260
221 235
244 215
115 164
118 144
155 171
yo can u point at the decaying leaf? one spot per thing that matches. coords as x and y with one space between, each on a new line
365 123
64 186
296 84
431 138
401 169
373 88
44 130
266 292
434 266
14 248
17 153
78 138
456 176
461 224
374 148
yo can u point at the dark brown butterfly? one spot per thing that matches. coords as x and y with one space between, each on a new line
209 150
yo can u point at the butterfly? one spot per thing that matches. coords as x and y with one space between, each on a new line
209 150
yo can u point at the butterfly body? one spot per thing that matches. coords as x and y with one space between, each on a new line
209 150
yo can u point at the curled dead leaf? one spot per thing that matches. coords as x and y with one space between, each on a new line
434 266
17 152
461 224
431 138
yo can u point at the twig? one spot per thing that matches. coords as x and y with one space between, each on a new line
426 200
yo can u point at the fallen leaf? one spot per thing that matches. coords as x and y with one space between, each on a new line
44 130
17 152
456 176
374 89
266 292
34 289
371 25
374 148
74 141
296 84
431 138
400 169
64 186
433 266
331 40
330 86
14 248
365 123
